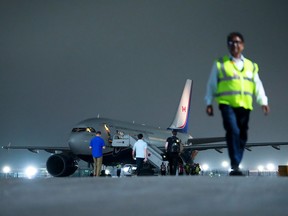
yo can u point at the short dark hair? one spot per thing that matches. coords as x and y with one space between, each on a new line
140 136
174 132
233 34
98 132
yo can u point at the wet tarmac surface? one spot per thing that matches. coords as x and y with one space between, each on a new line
168 195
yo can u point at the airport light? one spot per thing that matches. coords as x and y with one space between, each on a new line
225 164
205 167
6 169
126 169
107 172
260 168
30 172
270 167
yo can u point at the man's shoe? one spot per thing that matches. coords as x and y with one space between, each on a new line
236 173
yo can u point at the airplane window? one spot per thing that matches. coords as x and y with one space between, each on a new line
87 129
90 130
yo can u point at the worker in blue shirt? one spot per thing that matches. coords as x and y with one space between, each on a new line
97 145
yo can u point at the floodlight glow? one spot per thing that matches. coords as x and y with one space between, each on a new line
260 168
126 169
107 172
6 169
270 167
30 172
225 164
205 167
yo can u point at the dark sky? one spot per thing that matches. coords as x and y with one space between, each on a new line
64 61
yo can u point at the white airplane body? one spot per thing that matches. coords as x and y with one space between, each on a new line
116 132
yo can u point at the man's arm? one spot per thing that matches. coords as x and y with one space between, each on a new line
211 89
145 154
260 94
181 147
166 146
133 151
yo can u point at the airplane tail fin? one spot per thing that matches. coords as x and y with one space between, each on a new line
180 122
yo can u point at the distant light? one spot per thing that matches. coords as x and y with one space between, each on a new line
106 128
270 167
225 164
30 172
6 169
260 168
205 167
126 169
240 166
107 172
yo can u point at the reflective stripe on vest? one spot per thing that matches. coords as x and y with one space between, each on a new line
235 88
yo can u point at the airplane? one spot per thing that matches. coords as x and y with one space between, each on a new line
120 136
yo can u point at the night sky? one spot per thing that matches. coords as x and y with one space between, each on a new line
65 61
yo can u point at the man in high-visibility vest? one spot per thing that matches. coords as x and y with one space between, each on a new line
232 83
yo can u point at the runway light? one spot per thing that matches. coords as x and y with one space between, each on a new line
126 169
6 169
30 172
107 172
260 168
225 164
270 167
205 167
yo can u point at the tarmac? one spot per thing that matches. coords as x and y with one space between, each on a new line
154 195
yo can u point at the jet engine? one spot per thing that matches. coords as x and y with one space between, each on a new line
61 165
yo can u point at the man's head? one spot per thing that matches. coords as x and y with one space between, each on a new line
174 132
140 136
98 133
235 42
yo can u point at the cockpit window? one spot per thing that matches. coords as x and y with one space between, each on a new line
86 129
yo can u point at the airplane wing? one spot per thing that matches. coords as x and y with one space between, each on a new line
36 149
206 140
219 146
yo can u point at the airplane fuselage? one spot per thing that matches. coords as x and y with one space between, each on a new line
84 131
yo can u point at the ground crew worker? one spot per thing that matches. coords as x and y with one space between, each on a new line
97 145
197 169
173 148
163 169
140 148
233 82
187 168
118 171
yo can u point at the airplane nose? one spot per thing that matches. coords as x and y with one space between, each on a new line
79 144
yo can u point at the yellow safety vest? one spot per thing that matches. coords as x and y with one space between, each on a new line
236 88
